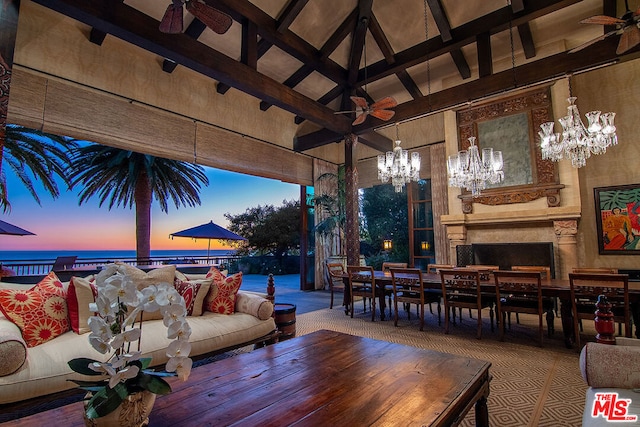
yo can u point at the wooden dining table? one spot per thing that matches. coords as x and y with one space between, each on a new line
556 288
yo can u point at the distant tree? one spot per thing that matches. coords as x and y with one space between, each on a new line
268 229
32 154
385 216
127 178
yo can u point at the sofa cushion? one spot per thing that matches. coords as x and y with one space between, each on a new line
222 295
40 312
81 292
604 365
254 304
13 353
143 279
194 292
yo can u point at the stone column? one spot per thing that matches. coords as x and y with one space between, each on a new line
351 202
566 232
457 235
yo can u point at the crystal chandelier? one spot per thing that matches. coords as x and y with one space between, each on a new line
467 170
577 141
396 166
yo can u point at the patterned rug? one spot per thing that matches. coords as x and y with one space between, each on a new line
531 386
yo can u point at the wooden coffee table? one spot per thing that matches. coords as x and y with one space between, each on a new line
324 378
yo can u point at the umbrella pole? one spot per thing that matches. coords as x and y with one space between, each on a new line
208 249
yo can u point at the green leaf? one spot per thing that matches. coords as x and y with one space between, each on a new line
154 384
146 361
105 401
81 366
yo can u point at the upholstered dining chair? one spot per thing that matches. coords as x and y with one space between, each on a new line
362 283
408 288
521 292
585 289
461 289
335 273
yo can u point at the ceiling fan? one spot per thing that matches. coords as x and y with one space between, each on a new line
627 26
213 18
377 109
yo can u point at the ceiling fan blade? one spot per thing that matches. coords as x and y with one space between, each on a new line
218 21
360 102
172 20
592 41
384 103
630 38
383 114
602 20
360 119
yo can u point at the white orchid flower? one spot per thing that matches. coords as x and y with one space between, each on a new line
99 345
173 313
181 366
103 307
129 335
100 328
104 368
125 359
123 375
179 348
153 297
121 289
179 330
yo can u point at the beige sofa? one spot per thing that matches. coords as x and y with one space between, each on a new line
613 375
43 370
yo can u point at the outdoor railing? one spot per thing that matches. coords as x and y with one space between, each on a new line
42 267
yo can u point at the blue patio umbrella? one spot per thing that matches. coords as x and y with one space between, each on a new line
208 231
6 228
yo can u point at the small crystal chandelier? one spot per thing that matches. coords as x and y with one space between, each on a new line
395 166
467 170
578 142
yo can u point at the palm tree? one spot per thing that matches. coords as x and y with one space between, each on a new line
30 154
128 178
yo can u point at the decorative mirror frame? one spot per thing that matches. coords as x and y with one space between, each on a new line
546 183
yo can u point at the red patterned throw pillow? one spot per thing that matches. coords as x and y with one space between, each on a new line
222 295
40 312
81 292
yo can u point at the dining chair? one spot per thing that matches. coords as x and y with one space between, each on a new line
546 276
461 289
362 283
521 292
434 268
335 273
408 288
596 270
389 292
585 289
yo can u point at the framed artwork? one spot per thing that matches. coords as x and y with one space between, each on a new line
618 219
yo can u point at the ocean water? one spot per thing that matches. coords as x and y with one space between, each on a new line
7 256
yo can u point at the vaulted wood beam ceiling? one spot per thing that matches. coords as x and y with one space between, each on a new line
444 27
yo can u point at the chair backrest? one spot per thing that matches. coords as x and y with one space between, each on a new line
360 274
335 269
462 281
433 268
519 284
64 263
596 270
546 271
387 265
484 267
408 280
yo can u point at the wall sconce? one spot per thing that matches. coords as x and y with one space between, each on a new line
425 246
387 245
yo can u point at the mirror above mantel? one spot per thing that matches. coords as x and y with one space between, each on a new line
508 124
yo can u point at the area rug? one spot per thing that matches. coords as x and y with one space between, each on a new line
531 386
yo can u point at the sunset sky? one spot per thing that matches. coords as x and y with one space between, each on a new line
63 225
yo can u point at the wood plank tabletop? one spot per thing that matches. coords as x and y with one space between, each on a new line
323 378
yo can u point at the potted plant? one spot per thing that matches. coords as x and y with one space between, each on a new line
126 387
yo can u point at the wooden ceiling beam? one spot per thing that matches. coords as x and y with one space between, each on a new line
526 38
461 63
534 72
194 30
409 84
442 22
290 13
135 27
485 61
463 35
358 41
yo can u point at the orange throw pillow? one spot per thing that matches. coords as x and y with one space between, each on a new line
222 295
40 312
